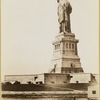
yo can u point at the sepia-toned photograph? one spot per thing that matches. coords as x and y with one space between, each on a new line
50 50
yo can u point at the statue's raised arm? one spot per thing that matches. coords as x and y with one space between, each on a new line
64 10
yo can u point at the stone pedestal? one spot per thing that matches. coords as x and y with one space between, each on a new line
65 54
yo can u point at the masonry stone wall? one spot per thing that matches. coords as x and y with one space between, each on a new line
45 78
39 79
56 78
81 78
21 78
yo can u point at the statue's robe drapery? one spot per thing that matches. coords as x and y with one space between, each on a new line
64 10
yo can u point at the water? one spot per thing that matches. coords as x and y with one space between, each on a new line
58 95
45 99
35 99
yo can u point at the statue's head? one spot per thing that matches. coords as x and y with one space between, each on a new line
58 1
62 1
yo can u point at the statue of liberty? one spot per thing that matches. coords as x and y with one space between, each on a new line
64 11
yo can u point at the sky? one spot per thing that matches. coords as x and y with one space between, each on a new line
28 28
